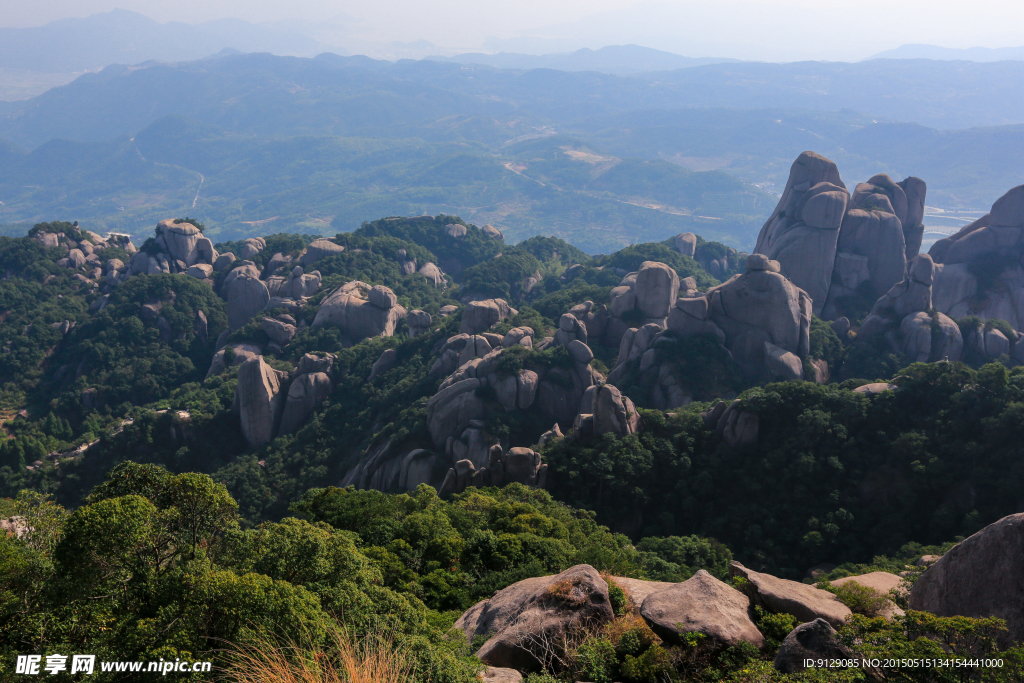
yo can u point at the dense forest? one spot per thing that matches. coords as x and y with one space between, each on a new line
155 526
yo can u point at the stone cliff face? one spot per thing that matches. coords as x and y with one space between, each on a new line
979 270
832 244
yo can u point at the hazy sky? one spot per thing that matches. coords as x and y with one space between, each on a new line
766 29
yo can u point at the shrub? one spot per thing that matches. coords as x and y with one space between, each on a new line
594 661
774 627
860 599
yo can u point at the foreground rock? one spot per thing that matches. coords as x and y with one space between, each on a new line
979 577
701 604
813 640
536 613
882 584
782 596
493 674
637 590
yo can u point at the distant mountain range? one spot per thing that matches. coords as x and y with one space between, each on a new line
620 60
251 143
970 54
358 96
124 37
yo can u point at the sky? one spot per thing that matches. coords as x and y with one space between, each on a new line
774 30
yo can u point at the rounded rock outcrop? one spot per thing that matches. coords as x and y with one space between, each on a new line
978 578
701 604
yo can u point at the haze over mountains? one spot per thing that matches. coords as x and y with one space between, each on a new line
602 147
326 143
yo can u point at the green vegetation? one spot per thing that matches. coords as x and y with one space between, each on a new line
834 475
631 257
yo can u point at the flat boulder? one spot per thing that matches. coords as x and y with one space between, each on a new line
701 604
494 674
319 249
875 388
804 602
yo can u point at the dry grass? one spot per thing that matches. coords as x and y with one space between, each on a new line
569 591
344 659
631 623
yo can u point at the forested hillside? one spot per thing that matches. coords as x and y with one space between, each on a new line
395 435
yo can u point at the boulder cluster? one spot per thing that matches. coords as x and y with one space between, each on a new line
83 256
830 243
836 247
979 271
271 402
760 318
485 374
523 622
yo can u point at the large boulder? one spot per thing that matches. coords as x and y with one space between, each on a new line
993 245
451 408
685 243
876 234
656 289
701 604
278 331
297 285
532 614
433 274
179 241
604 410
803 231
259 400
979 577
911 295
757 307
493 232
247 296
782 596
238 354
251 247
736 427
349 309
995 232
306 394
480 315
318 249
813 640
